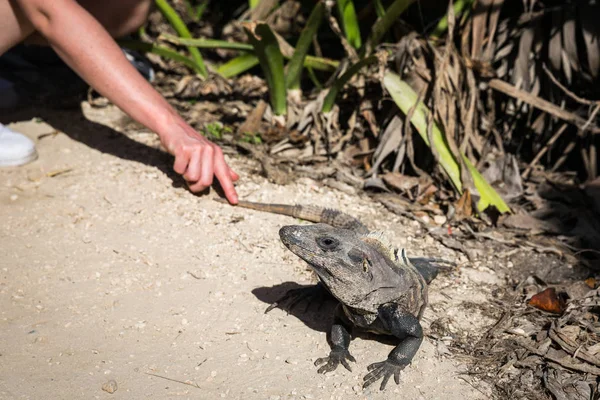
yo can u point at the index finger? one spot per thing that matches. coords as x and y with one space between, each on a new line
224 177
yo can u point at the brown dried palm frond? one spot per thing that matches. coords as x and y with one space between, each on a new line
547 49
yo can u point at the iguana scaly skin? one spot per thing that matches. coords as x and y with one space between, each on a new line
379 288
308 213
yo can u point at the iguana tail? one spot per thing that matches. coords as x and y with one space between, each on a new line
309 213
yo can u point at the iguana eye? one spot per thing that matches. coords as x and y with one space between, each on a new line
328 243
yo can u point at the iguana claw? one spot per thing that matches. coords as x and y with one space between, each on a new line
383 369
336 357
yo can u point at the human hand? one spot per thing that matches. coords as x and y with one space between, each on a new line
199 160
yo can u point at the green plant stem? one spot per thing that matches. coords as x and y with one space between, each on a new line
160 51
171 15
294 72
383 25
442 26
206 43
379 9
347 14
318 63
237 65
342 80
314 79
269 55
321 64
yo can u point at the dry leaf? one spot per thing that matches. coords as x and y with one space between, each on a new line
400 182
549 301
529 223
591 283
464 205
253 121
427 194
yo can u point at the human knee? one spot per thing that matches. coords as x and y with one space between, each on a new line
119 17
137 17
14 26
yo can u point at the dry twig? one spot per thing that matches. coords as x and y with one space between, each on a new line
567 345
588 369
541 104
543 151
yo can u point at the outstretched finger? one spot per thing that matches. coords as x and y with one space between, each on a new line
224 177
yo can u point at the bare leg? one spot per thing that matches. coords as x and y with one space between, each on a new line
13 25
119 18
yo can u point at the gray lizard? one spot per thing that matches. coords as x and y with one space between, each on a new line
379 288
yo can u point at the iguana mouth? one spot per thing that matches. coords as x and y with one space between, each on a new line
303 252
292 240
289 237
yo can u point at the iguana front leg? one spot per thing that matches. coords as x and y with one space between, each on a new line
405 327
340 342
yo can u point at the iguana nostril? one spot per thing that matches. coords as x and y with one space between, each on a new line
287 231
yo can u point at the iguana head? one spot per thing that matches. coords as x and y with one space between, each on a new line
359 270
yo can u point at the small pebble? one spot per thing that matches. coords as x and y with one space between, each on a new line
13 197
440 219
110 386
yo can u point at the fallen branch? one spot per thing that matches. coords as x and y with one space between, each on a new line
543 151
566 151
567 91
174 380
588 369
556 335
542 104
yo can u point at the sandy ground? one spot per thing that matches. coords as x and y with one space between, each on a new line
111 270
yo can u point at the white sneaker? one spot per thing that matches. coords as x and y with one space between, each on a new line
15 148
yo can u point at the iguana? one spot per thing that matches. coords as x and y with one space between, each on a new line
378 287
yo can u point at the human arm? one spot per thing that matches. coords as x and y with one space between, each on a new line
82 42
